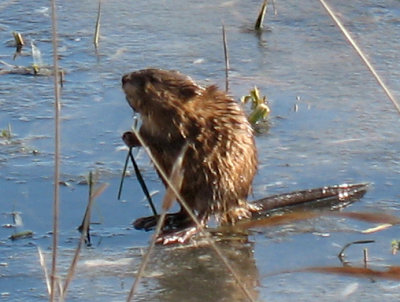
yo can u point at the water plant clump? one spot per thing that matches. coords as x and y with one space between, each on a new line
6 133
259 106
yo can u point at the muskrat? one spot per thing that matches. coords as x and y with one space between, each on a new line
221 158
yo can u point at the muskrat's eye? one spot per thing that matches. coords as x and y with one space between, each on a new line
140 82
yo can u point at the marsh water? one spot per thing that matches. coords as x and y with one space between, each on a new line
330 123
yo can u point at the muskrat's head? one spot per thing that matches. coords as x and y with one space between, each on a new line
152 90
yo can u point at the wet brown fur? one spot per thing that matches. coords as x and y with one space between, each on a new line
221 160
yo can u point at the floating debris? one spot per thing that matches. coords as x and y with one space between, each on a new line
22 235
395 246
23 70
341 254
378 228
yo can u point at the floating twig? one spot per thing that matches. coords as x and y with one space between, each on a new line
22 235
378 228
341 253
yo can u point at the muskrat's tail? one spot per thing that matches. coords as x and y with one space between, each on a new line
333 196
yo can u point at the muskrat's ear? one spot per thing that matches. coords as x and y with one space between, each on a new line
189 91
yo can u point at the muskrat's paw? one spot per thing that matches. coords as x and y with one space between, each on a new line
130 139
173 221
145 223
180 236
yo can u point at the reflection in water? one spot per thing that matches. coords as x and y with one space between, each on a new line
36 55
198 274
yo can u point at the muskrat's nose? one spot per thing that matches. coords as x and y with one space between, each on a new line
125 79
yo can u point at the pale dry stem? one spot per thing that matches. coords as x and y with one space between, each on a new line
57 147
86 222
44 267
361 54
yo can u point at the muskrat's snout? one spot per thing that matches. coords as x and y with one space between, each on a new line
125 78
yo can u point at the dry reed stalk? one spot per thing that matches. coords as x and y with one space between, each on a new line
57 144
226 56
201 228
43 265
261 15
361 55
97 29
84 231
19 43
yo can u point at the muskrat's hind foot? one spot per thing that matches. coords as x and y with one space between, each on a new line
174 221
145 223
177 236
